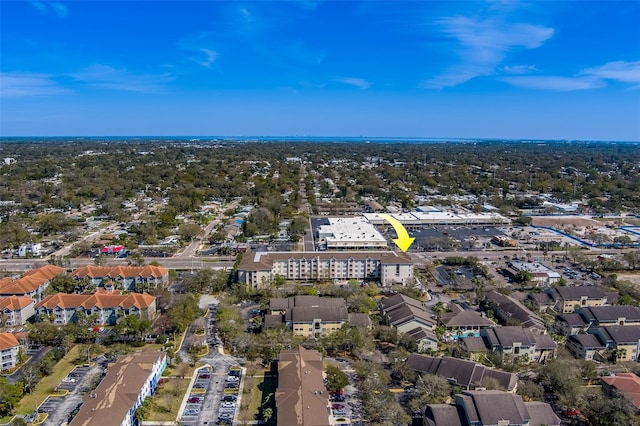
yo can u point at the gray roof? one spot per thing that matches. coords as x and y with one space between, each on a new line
474 344
360 320
587 341
544 342
541 298
620 334
466 318
492 406
444 414
507 336
610 313
406 313
574 320
391 302
273 320
308 308
577 292
463 372
515 310
541 413
420 333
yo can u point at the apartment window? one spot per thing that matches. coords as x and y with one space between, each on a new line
397 269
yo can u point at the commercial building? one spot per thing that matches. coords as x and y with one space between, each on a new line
301 397
127 383
387 267
349 233
540 274
417 219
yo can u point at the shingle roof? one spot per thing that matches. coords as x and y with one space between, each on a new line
465 318
118 391
507 336
587 341
8 341
517 311
620 334
576 292
541 413
626 383
99 300
301 398
15 303
464 372
391 302
120 271
574 320
443 414
611 313
30 281
544 342
493 406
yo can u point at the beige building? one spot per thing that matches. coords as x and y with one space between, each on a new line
301 397
568 299
310 315
387 267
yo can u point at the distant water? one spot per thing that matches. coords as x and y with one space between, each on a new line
311 139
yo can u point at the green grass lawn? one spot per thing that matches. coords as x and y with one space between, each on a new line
46 385
167 400
254 391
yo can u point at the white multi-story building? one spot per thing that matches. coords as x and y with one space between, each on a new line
259 269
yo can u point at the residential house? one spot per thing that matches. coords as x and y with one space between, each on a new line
9 349
490 408
512 312
126 385
388 268
301 396
311 315
597 316
520 342
62 308
461 372
126 278
625 384
32 283
409 317
606 316
585 346
570 324
460 322
568 299
624 339
16 310
542 302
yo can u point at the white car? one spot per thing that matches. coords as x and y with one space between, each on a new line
232 379
228 405
68 380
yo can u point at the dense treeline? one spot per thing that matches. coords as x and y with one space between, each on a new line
70 175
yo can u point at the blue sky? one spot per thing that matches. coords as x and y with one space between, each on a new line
501 69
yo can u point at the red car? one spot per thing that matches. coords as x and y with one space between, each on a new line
571 413
194 400
337 406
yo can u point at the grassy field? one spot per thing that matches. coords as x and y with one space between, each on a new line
46 386
167 400
255 389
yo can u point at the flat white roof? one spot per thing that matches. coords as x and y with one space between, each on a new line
350 229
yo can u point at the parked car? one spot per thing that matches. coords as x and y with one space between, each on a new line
229 404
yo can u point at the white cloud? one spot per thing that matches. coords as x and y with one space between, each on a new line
519 69
588 78
51 6
107 77
482 45
21 84
210 57
554 83
625 72
360 83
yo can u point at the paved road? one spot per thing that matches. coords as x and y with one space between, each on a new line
191 249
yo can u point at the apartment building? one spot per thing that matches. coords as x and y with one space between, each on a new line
259 269
16 310
9 349
126 278
32 283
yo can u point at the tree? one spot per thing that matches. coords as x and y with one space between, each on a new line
9 396
523 276
189 230
439 309
336 378
135 259
267 414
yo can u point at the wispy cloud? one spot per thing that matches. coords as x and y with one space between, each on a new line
360 83
21 84
519 69
54 7
210 57
588 78
482 45
108 77
622 71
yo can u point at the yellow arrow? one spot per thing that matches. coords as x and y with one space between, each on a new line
404 240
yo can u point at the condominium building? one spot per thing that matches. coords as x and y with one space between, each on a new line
387 267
